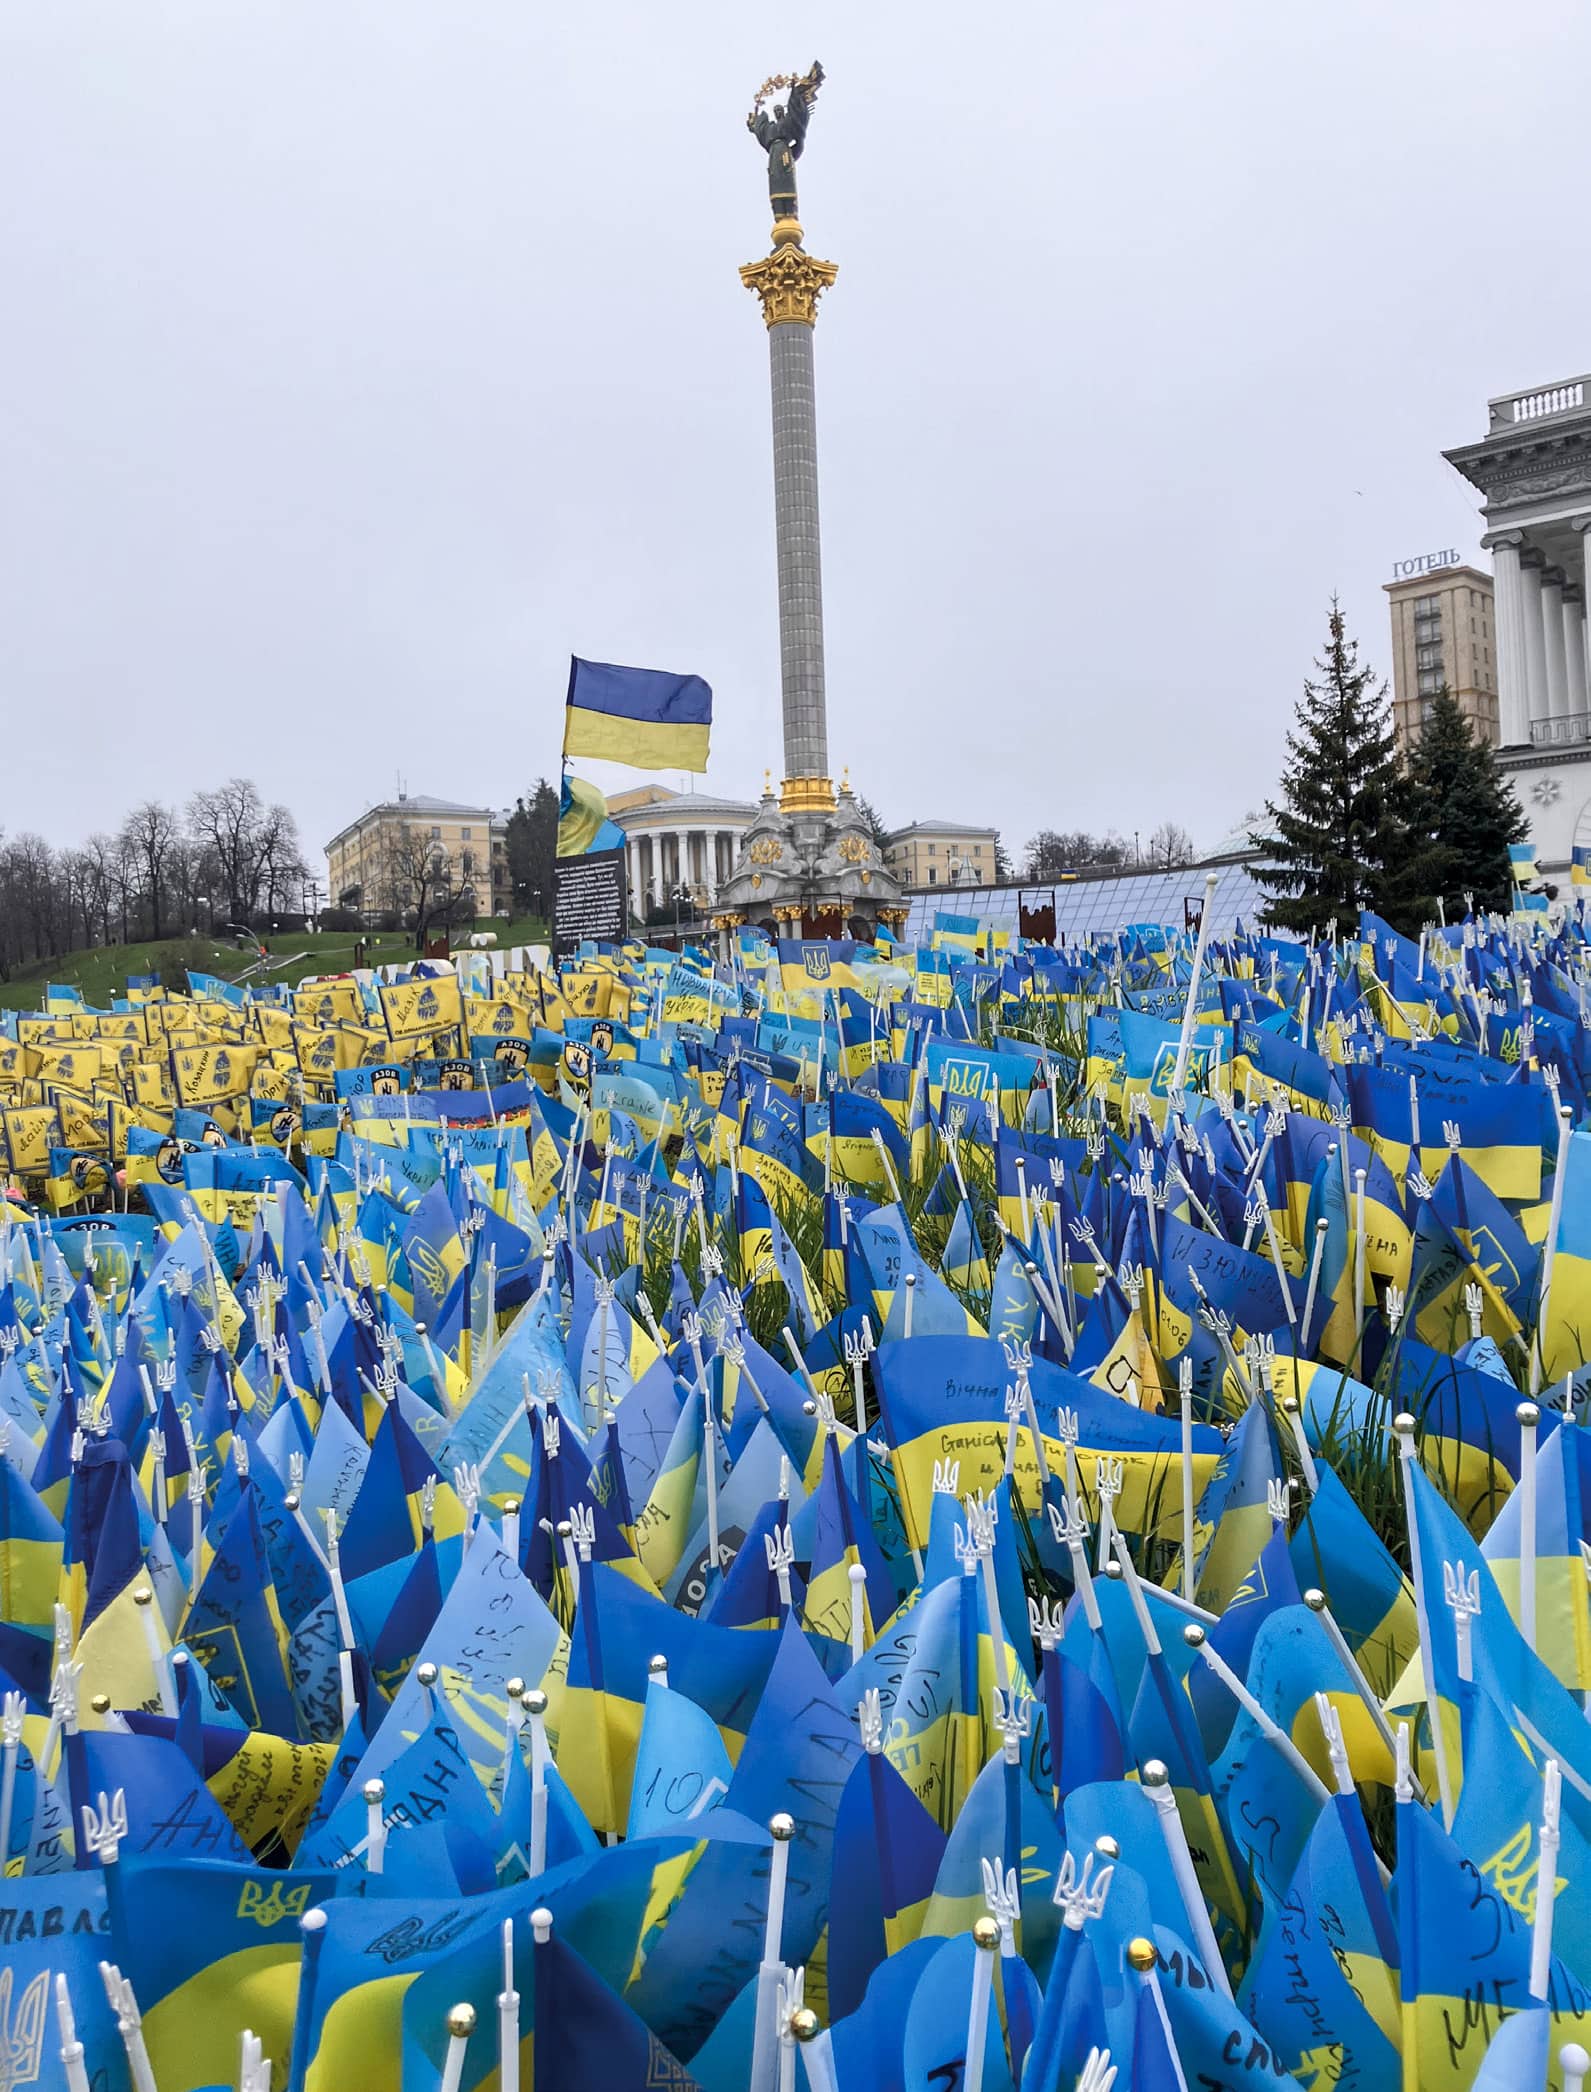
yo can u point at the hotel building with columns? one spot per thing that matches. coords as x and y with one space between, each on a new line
677 840
1533 468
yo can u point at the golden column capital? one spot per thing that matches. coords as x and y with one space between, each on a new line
789 282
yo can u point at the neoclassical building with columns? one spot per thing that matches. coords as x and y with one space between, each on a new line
1533 466
678 841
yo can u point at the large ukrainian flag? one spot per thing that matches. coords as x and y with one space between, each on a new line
645 717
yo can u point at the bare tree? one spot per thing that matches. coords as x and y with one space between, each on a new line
1053 851
281 870
102 862
1169 847
418 875
30 901
150 833
230 822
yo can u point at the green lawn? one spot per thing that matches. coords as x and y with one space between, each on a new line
102 973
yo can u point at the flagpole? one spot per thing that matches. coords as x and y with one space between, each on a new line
1185 1391
1185 1040
1550 1253
1403 1425
985 1938
765 2044
508 2018
1529 1417
1546 1880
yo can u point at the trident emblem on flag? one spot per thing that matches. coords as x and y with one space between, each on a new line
22 2037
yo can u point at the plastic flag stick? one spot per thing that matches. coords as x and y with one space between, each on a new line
1403 1425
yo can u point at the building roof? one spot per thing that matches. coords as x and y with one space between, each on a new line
1438 577
681 807
410 805
899 835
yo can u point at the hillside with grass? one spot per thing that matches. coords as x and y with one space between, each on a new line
102 973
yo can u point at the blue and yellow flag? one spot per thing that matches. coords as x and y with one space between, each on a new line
645 717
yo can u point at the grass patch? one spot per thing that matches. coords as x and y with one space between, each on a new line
102 973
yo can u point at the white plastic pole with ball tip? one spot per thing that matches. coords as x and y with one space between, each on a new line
1403 1426
508 2018
986 1938
1529 1416
460 2026
765 2041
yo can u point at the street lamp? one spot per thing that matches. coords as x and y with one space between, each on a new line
679 897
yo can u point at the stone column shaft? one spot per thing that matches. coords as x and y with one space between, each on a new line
795 502
1553 644
1535 642
1574 651
1513 701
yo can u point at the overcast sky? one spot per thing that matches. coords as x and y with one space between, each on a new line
364 358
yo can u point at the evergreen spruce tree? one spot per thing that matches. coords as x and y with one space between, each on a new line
1462 803
872 820
1339 838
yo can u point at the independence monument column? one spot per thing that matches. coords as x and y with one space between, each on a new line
789 283
808 864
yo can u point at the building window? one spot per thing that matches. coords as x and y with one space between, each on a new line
436 835
1429 656
1428 606
464 835
933 876
1430 681
930 849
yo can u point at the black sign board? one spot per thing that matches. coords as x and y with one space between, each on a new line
588 900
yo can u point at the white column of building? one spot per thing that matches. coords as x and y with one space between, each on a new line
1576 616
1513 705
1574 649
1535 636
656 841
1552 642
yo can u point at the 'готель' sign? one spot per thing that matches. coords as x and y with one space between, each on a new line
1427 563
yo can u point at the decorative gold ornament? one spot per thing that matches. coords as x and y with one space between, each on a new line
806 795
855 849
767 849
789 281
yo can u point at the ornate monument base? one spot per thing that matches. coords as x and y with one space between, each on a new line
808 867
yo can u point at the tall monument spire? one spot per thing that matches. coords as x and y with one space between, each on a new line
789 282
807 861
